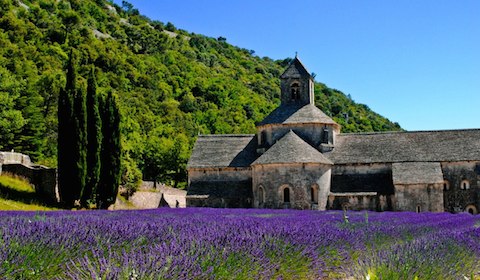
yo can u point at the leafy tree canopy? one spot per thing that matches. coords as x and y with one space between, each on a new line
171 84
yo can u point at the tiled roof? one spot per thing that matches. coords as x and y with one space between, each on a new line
409 173
223 151
296 69
416 146
291 149
295 114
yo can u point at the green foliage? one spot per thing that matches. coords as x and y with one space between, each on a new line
11 119
111 153
170 86
351 116
79 131
94 141
165 158
131 176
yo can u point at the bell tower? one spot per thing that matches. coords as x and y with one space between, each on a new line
296 85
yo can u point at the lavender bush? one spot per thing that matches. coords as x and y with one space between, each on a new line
200 243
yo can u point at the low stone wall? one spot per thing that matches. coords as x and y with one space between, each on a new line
43 178
152 195
14 158
150 200
354 201
360 201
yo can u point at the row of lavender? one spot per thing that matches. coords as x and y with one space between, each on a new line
199 243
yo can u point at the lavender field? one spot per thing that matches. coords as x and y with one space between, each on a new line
199 243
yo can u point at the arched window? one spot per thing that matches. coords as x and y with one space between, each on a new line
446 185
325 135
419 209
471 209
286 195
465 185
261 195
314 194
295 90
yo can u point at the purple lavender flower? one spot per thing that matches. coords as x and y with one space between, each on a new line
202 243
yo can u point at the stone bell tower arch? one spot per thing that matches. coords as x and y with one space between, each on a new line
297 85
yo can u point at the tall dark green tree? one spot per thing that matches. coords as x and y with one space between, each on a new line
110 170
94 141
79 131
71 160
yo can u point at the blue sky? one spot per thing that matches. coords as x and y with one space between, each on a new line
414 62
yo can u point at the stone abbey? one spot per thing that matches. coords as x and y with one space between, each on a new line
299 159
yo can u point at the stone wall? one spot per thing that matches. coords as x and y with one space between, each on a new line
220 174
14 158
456 197
306 89
44 179
354 186
356 201
310 133
362 178
220 188
362 187
270 181
150 200
419 198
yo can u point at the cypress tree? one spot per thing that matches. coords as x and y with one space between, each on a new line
64 115
71 137
79 131
66 165
94 141
110 169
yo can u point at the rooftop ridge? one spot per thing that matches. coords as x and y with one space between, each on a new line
407 146
291 149
295 113
226 135
289 124
298 62
406 132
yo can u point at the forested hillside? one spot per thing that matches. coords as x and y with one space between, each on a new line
171 85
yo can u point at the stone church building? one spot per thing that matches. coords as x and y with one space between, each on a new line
299 159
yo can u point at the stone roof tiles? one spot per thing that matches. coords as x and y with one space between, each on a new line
296 114
291 149
296 69
213 151
410 173
416 146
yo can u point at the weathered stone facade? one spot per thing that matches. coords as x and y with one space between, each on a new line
461 186
297 186
299 159
220 187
